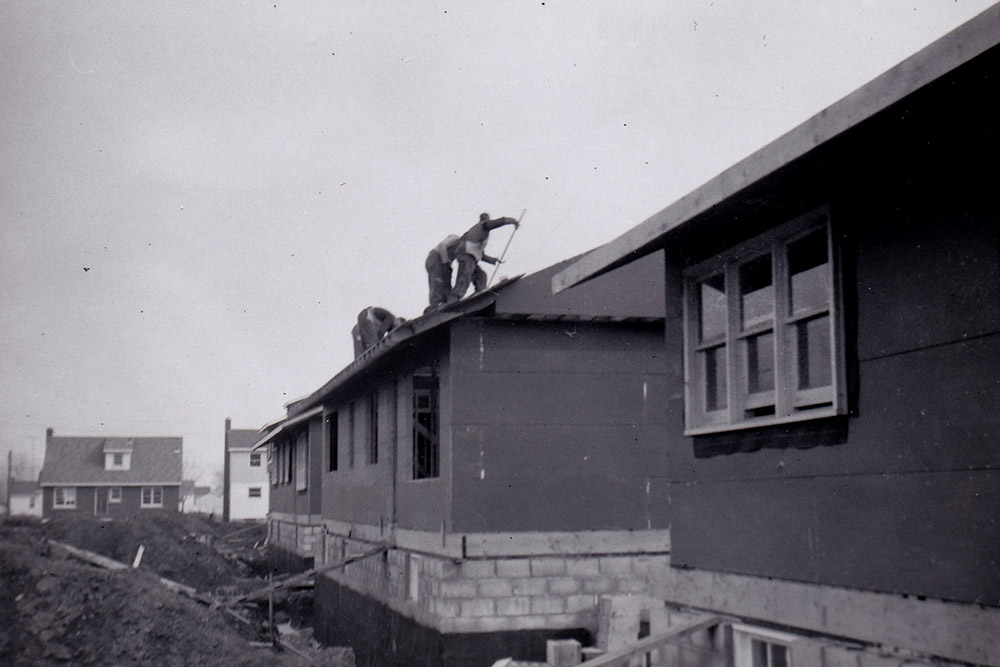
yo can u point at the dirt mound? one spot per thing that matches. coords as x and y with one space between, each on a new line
58 611
176 546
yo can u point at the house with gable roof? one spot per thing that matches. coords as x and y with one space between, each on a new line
245 487
110 477
504 448
24 498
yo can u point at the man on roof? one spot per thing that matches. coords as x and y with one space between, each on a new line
438 265
373 324
471 251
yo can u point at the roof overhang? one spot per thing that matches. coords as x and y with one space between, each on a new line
947 53
286 426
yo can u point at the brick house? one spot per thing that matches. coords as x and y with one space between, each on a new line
245 488
503 447
109 477
832 335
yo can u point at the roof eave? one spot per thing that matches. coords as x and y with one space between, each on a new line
942 56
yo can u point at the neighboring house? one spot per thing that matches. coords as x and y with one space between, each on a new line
25 498
110 477
500 447
833 346
245 490
196 499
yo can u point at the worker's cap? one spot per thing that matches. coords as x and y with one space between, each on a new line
484 216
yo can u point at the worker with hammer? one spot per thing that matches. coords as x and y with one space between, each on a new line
471 251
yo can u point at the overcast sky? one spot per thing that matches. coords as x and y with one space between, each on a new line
196 199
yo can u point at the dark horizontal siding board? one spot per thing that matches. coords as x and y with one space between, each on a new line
931 534
573 347
558 478
935 281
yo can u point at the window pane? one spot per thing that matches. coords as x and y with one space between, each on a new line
813 337
756 292
779 655
760 363
809 270
716 385
758 653
712 307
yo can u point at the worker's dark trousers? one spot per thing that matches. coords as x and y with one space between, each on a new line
438 280
468 271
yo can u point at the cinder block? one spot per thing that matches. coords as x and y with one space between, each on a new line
514 567
478 607
582 567
562 652
576 603
495 588
599 585
447 608
630 585
477 569
528 586
616 565
547 605
458 589
548 567
564 585
513 606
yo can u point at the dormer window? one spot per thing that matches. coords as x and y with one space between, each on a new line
117 458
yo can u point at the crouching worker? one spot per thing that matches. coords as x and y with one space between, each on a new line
373 324
438 265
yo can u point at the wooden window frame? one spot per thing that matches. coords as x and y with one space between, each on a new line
332 423
743 635
114 497
789 404
302 461
254 459
259 490
152 502
426 443
373 428
68 503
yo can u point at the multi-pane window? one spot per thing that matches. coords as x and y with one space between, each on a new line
64 497
426 444
114 494
332 440
757 647
254 459
373 428
152 496
762 330
301 460
254 492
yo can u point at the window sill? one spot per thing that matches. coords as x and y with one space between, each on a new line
64 507
763 422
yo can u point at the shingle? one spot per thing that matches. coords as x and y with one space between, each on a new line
80 460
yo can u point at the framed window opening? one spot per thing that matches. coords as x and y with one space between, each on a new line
152 496
426 426
350 435
332 440
302 460
758 647
114 494
64 497
254 459
763 330
373 429
254 492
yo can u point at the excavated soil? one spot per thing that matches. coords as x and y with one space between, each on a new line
58 610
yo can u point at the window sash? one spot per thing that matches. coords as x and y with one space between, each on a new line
720 390
302 461
255 459
114 494
64 496
152 496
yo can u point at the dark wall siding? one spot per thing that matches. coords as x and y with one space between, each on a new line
129 506
906 502
382 637
548 440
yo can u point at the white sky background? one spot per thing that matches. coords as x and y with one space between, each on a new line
241 179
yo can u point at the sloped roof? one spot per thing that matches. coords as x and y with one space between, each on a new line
242 438
958 47
80 460
633 293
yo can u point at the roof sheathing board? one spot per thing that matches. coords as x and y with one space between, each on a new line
944 55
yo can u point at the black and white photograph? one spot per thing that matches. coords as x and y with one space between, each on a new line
500 334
